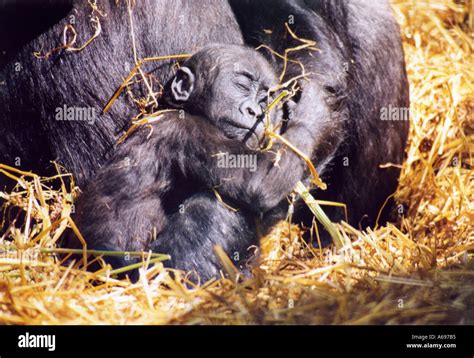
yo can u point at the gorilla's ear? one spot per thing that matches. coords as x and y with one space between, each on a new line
183 84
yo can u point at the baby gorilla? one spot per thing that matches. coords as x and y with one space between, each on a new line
157 191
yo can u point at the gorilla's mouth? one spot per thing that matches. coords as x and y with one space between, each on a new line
250 136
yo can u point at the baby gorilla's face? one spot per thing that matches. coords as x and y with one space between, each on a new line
228 85
240 97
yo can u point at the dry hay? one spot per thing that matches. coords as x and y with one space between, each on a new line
420 271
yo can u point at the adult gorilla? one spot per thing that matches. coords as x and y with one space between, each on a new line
357 74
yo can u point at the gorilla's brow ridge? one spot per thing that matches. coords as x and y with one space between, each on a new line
251 76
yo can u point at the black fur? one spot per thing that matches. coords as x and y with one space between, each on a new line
337 119
156 192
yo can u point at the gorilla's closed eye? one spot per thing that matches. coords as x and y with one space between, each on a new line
242 86
245 80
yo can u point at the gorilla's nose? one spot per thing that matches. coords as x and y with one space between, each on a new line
251 109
